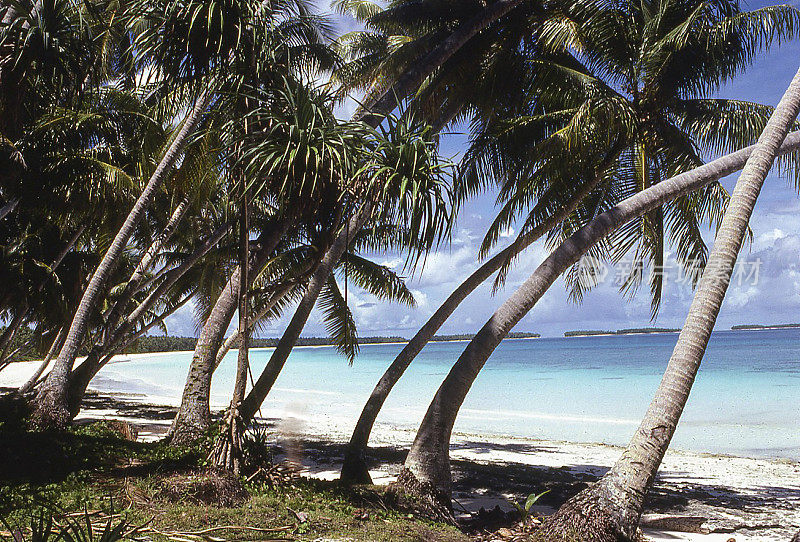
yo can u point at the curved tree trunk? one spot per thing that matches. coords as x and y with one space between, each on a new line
194 413
265 381
27 387
101 354
227 451
428 461
610 509
136 279
354 468
50 405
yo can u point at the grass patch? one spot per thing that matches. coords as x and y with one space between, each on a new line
93 468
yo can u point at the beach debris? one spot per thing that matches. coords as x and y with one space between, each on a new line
217 488
275 475
676 523
301 517
126 430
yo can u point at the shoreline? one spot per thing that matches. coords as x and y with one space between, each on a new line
741 498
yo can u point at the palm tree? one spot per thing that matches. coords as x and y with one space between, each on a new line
649 137
485 79
50 406
396 179
666 58
428 460
610 509
277 163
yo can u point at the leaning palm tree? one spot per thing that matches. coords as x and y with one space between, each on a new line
486 78
396 177
162 41
278 164
610 509
661 133
427 465
689 52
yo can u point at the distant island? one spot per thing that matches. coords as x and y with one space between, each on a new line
629 331
756 327
24 347
160 343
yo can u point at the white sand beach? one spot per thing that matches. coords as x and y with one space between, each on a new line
741 499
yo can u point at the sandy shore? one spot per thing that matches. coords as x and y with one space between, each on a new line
741 499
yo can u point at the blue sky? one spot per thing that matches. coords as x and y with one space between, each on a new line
773 298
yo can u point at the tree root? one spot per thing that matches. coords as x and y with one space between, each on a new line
226 454
185 434
583 518
49 412
423 497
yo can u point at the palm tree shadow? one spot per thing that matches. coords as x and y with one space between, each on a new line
484 484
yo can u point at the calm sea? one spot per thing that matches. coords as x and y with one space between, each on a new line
746 400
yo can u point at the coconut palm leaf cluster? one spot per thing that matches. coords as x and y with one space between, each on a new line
184 154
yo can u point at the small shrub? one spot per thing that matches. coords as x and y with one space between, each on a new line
47 525
524 508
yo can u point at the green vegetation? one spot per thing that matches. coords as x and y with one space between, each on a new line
628 331
168 343
154 486
24 345
165 154
747 327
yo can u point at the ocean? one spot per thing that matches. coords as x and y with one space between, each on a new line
746 400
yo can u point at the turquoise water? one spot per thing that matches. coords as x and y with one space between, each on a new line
746 400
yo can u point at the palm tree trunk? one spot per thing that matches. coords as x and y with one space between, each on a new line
372 113
266 380
610 509
8 333
8 208
242 362
194 413
227 451
101 354
57 342
428 461
50 406
354 468
145 262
